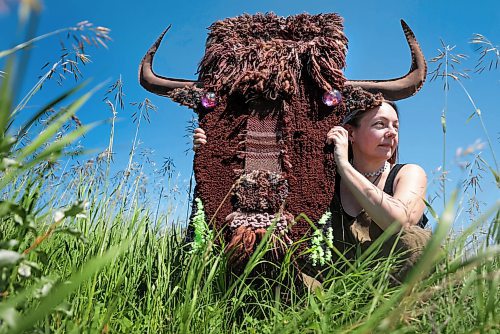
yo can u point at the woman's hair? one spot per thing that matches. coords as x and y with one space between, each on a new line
354 121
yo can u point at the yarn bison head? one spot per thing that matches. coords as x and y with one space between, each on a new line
269 89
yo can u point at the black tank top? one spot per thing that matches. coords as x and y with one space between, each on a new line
388 189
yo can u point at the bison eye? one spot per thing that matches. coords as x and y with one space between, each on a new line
332 98
209 100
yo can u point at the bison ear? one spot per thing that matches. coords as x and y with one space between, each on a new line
155 83
405 86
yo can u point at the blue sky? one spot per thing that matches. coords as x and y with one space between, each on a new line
377 50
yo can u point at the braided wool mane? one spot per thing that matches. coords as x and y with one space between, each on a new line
265 54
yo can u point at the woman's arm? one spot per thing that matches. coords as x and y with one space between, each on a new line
406 205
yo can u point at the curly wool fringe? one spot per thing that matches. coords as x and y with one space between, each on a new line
260 191
259 220
269 59
265 54
246 239
257 196
189 96
355 98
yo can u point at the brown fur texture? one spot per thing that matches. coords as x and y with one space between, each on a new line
264 55
270 74
266 164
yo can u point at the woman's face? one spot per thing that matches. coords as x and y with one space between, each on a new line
376 137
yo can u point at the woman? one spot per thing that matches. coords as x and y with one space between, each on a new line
373 138
372 192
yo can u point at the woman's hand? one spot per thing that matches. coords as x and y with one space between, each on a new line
339 137
199 138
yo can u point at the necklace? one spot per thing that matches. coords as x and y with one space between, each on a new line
377 172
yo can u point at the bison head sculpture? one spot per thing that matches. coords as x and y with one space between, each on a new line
269 89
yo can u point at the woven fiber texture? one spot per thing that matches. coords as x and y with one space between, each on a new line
266 155
265 54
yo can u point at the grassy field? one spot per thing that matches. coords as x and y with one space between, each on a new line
85 253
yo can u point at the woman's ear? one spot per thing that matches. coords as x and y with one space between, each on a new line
350 130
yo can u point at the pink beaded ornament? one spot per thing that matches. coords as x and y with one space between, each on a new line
209 100
332 98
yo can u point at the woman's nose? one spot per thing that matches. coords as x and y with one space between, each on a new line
391 132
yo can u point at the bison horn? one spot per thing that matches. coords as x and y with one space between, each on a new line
403 87
155 83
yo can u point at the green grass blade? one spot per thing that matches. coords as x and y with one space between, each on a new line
50 105
57 146
6 97
388 309
52 152
63 290
26 44
52 129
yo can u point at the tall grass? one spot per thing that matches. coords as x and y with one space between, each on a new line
87 255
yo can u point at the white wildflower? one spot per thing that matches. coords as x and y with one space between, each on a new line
58 216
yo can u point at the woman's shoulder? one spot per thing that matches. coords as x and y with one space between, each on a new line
412 169
410 173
